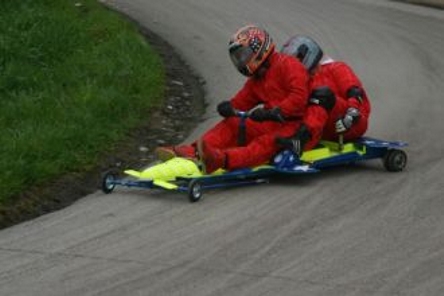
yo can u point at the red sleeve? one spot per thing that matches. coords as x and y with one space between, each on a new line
245 99
354 103
345 78
295 78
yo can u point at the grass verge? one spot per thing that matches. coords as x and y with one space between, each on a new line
74 78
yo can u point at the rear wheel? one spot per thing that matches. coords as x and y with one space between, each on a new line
194 191
108 181
395 160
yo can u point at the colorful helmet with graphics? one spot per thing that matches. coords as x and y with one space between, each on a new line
304 49
249 48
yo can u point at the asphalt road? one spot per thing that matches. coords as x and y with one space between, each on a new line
356 231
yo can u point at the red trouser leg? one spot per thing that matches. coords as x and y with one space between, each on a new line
260 139
224 134
315 119
261 147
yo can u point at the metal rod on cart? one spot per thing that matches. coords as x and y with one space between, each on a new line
341 142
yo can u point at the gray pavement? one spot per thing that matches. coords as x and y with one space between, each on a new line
354 231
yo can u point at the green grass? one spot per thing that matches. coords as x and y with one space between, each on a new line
73 80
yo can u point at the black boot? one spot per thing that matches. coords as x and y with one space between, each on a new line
297 142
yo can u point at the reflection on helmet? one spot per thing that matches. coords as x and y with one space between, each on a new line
249 47
304 49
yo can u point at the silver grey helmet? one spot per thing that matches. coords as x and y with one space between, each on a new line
304 49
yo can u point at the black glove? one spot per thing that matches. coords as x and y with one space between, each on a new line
324 97
261 114
225 110
297 142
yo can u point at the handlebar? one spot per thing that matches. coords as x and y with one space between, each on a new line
243 115
242 135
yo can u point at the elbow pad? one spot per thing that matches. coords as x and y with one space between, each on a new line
357 93
324 97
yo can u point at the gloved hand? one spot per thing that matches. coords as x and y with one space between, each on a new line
225 109
345 123
261 114
297 142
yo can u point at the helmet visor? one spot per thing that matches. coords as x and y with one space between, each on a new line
241 57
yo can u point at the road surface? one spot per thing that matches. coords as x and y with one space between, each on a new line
356 231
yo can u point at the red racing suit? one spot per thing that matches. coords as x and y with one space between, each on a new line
284 85
320 123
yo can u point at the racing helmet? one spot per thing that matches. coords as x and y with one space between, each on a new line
249 48
304 49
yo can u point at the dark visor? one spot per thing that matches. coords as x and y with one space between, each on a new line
241 56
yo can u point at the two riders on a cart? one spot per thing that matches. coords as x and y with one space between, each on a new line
297 97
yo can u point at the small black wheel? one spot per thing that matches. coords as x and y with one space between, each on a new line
108 181
194 190
395 160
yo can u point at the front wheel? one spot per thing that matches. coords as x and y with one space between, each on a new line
108 181
395 160
194 191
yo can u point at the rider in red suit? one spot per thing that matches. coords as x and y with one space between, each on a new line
338 103
277 87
